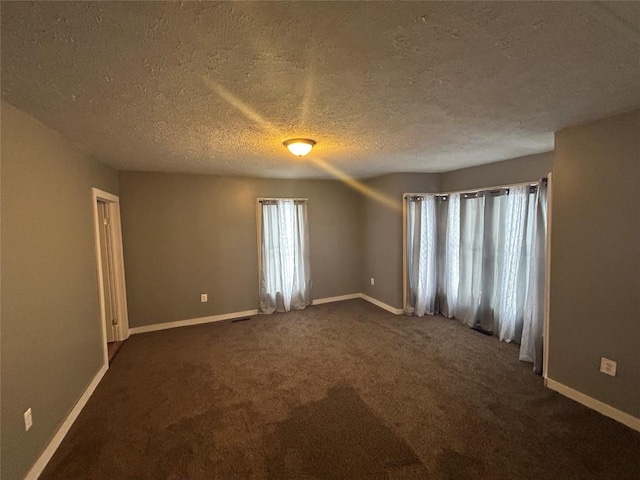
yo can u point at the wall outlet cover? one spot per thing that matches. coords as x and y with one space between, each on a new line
203 297
608 366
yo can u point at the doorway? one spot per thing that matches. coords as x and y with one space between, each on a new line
110 272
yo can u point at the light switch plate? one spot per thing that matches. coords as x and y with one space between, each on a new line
28 419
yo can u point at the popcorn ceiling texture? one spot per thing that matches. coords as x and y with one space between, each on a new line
383 87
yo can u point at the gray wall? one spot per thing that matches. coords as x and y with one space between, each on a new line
382 234
517 170
381 256
190 234
51 334
595 260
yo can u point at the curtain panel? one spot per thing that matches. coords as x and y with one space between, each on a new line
535 302
285 273
421 255
486 253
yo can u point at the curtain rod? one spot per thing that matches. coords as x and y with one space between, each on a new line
483 189
266 199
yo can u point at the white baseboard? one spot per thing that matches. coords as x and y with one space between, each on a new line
55 442
378 303
191 321
339 298
250 313
590 402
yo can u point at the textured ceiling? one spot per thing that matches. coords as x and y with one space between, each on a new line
383 87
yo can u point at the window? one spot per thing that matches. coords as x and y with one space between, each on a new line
480 257
285 273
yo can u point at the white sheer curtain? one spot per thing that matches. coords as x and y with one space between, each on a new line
470 286
285 276
513 265
487 256
450 254
421 255
532 333
489 241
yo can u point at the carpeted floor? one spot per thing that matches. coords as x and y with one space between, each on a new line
343 390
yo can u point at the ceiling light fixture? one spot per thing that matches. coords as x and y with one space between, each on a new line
299 146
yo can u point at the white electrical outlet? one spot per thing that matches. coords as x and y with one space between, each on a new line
608 366
203 297
28 419
373 281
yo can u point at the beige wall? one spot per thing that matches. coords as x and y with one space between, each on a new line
51 334
190 234
517 170
595 260
382 234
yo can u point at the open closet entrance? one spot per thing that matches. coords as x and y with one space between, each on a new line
110 272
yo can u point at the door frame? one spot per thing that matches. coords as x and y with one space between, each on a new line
547 283
113 204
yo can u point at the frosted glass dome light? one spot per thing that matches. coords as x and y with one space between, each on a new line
299 146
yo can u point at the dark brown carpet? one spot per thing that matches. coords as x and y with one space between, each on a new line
112 350
342 390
